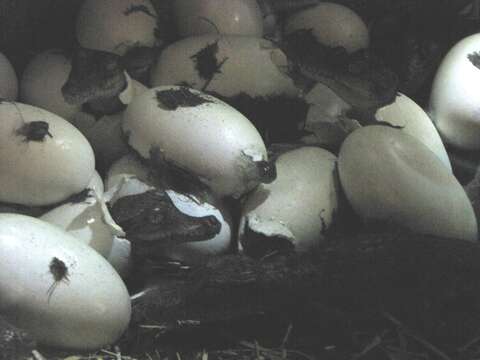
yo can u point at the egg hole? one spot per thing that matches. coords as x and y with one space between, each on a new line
258 245
207 64
34 131
133 9
138 61
103 106
94 75
172 99
278 119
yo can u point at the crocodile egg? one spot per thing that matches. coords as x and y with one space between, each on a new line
332 24
389 175
404 112
116 25
225 65
455 96
198 133
44 158
295 210
8 79
42 81
57 288
239 17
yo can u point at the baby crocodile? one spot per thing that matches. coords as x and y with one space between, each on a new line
96 79
360 79
151 219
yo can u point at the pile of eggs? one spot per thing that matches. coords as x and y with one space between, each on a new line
64 260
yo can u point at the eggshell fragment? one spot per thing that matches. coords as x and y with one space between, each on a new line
226 65
43 158
325 117
42 81
116 25
237 17
389 175
199 134
128 166
88 220
105 133
455 99
332 24
295 209
8 79
58 289
199 251
405 113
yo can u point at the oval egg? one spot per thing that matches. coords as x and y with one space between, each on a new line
239 17
389 175
198 133
58 289
42 81
116 25
412 120
44 159
332 25
455 99
225 65
294 210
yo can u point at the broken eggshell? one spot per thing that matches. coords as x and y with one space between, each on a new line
96 184
42 81
44 159
199 251
116 25
455 99
8 79
326 119
185 128
332 25
220 64
128 176
239 17
87 219
412 120
57 288
295 210
105 132
388 175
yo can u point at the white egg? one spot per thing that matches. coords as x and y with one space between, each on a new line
58 289
198 133
43 158
42 81
389 175
332 24
235 17
246 64
8 79
116 25
455 99
404 112
294 210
